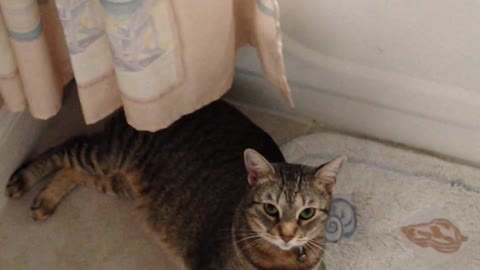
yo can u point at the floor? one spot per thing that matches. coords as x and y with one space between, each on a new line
93 231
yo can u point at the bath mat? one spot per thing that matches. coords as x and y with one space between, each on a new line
396 209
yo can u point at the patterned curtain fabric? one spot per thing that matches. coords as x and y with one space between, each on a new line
159 59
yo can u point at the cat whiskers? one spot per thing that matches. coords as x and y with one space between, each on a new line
253 237
317 247
228 233
248 237
251 244
238 231
255 240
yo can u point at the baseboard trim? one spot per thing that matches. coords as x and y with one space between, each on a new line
388 106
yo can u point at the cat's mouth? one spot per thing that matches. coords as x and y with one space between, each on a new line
286 245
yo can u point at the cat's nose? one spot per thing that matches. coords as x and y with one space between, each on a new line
286 238
287 231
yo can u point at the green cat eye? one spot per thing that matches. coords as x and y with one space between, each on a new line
307 213
270 209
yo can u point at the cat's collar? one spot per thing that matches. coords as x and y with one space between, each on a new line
302 257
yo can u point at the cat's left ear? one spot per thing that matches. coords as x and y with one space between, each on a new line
326 176
257 166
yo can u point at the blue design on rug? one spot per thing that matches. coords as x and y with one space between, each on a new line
342 222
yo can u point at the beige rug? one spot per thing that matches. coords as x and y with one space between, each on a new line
395 209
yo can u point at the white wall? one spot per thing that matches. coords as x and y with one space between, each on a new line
430 39
407 71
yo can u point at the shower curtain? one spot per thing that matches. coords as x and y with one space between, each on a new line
159 59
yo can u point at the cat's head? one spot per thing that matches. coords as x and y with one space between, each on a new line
288 204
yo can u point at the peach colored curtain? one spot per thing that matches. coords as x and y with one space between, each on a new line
159 59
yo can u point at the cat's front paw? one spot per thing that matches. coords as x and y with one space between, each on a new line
42 208
16 186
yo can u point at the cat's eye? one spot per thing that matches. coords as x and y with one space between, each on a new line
307 214
270 209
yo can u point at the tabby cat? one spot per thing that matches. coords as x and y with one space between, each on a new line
211 200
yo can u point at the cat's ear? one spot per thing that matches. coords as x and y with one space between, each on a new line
257 166
326 175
